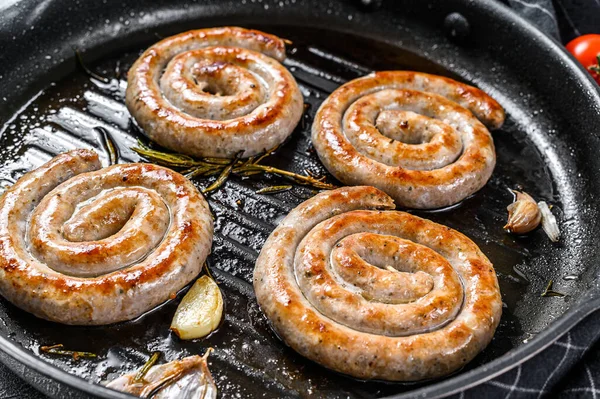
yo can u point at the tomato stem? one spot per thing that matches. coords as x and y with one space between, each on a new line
596 68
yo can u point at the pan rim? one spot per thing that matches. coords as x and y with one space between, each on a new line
452 385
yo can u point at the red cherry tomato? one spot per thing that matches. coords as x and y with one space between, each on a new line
586 49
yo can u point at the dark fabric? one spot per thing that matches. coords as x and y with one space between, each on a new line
577 17
571 367
540 12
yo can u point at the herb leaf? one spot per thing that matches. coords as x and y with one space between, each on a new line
58 350
550 292
274 189
139 377
109 145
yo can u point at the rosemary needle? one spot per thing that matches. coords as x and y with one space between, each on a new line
165 158
274 189
222 177
139 377
109 145
550 292
58 350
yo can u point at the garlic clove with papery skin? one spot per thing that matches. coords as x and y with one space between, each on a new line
188 378
523 215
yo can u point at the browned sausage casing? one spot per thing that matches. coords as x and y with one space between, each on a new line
413 135
84 245
215 92
375 293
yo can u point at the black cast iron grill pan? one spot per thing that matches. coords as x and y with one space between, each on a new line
548 146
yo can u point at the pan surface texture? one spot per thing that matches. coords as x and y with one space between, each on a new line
548 146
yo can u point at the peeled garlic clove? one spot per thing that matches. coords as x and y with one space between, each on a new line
549 223
523 214
200 310
188 378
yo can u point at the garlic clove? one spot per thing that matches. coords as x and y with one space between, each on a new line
200 310
188 378
549 223
523 215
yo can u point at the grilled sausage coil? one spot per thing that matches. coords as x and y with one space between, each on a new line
216 92
82 244
413 135
376 293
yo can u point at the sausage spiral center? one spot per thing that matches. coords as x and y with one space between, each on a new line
82 244
117 228
376 293
368 273
413 135
215 92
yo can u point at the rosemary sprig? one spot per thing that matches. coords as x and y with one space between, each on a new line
274 189
299 179
550 292
267 153
139 377
206 167
58 350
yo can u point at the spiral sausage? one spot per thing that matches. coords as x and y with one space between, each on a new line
89 246
376 293
410 134
215 92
